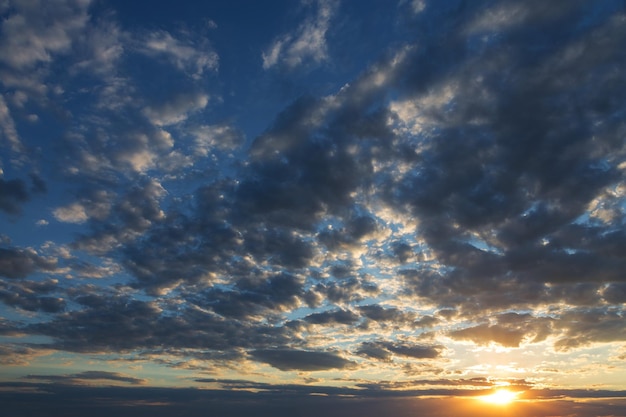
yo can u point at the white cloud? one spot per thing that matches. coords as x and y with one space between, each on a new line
74 213
104 46
220 136
499 18
177 109
7 126
144 151
97 206
418 6
183 54
140 161
419 114
139 154
39 29
32 34
308 42
270 58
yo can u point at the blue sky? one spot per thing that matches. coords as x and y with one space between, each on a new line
296 202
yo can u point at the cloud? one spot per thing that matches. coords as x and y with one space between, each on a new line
455 189
306 44
32 296
487 184
13 193
7 124
176 110
332 317
288 359
121 219
185 54
37 30
74 213
354 233
418 6
586 327
483 334
276 400
511 15
115 322
83 377
103 45
17 263
33 34
50 49
220 136
378 313
383 350
17 355
509 330
493 195
253 296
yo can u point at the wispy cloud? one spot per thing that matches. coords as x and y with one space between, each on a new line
183 53
306 44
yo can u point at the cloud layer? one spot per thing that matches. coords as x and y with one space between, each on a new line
463 193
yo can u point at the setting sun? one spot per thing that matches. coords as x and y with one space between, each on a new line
500 397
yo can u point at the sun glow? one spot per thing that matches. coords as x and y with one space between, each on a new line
500 397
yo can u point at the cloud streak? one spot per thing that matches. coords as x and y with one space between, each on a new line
307 44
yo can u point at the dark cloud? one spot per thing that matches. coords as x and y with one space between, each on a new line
615 293
384 350
82 377
505 169
347 290
300 170
16 263
402 250
13 193
415 351
9 328
74 401
39 185
253 296
596 325
379 314
121 324
356 230
485 333
282 247
497 179
375 351
510 330
16 355
118 221
32 296
478 382
288 359
332 317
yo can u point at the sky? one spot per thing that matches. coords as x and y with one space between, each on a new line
312 207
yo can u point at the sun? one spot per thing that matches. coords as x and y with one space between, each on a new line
501 396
